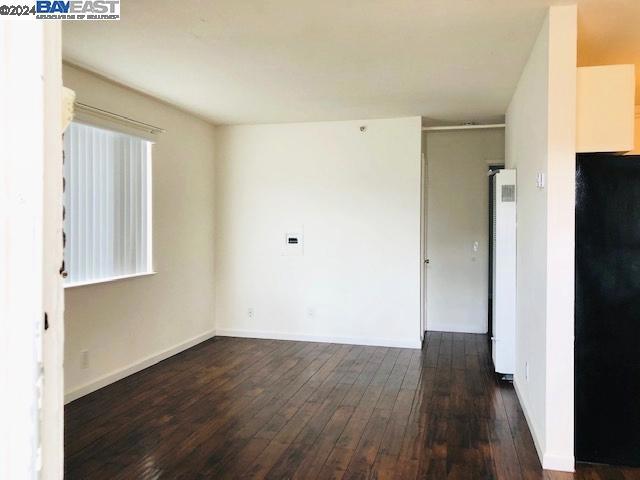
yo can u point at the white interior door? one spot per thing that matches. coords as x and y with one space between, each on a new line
423 247
457 231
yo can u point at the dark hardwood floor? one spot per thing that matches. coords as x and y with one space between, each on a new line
241 408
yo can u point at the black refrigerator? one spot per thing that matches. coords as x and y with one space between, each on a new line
607 309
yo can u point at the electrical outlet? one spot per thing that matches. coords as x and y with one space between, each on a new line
250 312
84 359
526 371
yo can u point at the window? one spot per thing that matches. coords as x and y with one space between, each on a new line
107 205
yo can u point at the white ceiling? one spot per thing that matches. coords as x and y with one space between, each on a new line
256 61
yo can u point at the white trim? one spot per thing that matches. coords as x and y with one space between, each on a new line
462 127
525 410
377 342
558 463
435 327
135 367
52 423
84 283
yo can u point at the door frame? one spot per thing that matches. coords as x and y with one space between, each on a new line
424 182
31 250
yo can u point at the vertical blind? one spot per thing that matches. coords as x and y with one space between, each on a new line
107 204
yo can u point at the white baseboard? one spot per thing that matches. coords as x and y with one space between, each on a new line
436 327
559 463
134 367
377 342
529 420
548 461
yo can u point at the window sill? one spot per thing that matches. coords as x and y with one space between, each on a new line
107 279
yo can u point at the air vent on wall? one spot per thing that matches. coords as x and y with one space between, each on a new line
508 193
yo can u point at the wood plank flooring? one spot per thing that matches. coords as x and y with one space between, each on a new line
244 408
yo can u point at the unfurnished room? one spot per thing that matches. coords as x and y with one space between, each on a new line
320 240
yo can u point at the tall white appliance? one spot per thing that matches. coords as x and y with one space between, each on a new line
504 272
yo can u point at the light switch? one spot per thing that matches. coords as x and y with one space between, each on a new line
540 180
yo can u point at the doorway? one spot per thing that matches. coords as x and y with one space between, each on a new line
456 227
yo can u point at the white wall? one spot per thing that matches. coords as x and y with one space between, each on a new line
357 197
540 137
527 152
127 324
561 173
457 282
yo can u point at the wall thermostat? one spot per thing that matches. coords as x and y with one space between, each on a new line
293 243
